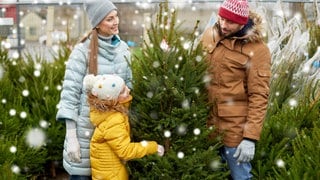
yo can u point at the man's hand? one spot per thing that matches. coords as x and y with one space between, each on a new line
73 146
245 151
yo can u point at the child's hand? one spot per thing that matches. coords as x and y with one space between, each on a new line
160 150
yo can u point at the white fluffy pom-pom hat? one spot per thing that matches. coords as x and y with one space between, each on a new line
105 87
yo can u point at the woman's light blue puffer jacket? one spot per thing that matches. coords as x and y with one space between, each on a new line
112 59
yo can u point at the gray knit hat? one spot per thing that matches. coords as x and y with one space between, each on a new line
97 10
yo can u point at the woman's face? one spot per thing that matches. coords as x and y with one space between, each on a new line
109 25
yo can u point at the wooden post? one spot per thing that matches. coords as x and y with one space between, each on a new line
146 20
50 23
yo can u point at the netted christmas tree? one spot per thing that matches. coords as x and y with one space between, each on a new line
170 104
289 144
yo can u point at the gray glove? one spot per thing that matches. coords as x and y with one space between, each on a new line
245 151
73 146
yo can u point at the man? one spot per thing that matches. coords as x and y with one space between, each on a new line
239 68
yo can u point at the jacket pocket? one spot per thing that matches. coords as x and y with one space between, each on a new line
263 81
232 110
264 73
236 59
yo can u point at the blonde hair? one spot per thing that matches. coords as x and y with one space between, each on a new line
106 105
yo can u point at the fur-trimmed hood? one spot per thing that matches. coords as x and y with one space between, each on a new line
255 33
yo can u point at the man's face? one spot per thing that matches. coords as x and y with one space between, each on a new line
228 27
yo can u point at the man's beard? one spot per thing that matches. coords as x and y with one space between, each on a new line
223 35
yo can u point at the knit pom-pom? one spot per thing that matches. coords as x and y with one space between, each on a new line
89 81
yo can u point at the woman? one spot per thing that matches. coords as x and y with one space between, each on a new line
100 52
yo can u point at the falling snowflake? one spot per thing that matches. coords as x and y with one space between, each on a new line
13 149
180 155
22 79
144 143
36 73
293 103
23 115
59 87
196 90
150 94
15 169
185 104
182 129
206 79
156 64
25 93
186 45
196 131
167 133
46 88
87 133
12 112
227 152
280 163
44 124
35 137
198 58
215 164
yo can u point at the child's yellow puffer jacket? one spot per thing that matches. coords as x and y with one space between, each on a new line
111 146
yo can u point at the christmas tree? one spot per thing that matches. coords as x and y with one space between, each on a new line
31 140
170 104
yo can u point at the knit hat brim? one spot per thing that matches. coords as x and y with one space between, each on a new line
226 14
97 10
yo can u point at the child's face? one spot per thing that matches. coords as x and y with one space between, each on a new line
124 94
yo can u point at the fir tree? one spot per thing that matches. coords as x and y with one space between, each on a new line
31 140
170 104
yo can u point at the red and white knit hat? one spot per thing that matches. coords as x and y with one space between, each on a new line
235 10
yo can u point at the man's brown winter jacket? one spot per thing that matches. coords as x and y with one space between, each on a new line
239 70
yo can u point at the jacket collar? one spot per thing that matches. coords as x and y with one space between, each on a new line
244 31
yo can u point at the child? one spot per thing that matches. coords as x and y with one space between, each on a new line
111 146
